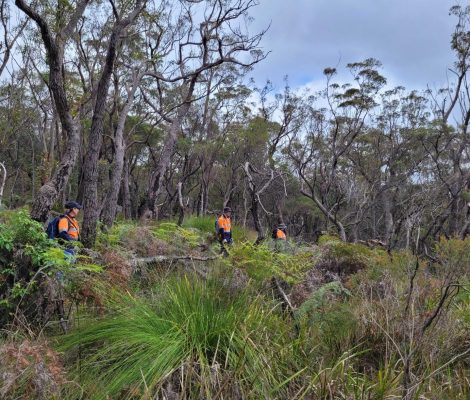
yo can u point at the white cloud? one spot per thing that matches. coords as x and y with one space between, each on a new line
410 37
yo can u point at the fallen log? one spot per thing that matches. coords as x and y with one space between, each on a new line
136 262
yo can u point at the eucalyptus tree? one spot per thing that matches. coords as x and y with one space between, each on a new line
284 115
121 20
211 121
206 35
319 155
387 163
25 124
56 30
119 143
10 31
447 141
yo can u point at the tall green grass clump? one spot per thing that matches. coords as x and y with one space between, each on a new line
192 334
205 223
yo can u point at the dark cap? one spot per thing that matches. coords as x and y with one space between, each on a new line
282 226
72 204
227 209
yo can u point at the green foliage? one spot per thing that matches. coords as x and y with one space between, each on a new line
21 230
115 235
186 327
329 317
27 255
22 237
260 262
462 311
171 232
321 298
211 339
205 224
351 257
455 254
242 234
24 248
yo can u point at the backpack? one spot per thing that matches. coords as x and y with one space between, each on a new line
52 229
274 234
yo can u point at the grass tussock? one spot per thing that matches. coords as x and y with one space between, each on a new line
190 332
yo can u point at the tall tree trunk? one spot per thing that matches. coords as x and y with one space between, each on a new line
169 146
90 166
256 220
255 200
454 215
110 202
329 217
50 191
200 208
90 178
388 217
180 203
4 179
126 195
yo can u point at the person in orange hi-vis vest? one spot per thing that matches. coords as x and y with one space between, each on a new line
281 232
68 227
280 238
224 227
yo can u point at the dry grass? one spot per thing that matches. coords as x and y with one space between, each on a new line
30 370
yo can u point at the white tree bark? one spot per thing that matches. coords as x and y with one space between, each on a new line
4 179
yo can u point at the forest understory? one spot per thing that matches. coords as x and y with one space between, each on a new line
145 116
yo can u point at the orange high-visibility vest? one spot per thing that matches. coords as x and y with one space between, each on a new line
224 223
69 225
281 235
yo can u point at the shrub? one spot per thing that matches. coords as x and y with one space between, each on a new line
330 319
131 237
261 263
192 330
176 235
454 256
29 264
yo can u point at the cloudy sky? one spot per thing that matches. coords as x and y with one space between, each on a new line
410 37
